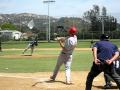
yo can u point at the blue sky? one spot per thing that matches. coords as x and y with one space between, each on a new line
60 8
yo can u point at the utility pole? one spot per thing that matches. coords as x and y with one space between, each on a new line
0 42
48 2
102 18
102 24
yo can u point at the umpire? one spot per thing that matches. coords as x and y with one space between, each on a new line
104 53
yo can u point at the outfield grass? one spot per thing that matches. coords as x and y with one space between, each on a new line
81 61
52 44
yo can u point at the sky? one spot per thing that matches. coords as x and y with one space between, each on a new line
59 8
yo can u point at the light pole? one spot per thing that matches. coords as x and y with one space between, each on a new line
0 42
20 24
102 18
102 24
48 2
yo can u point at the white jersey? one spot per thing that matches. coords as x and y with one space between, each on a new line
117 63
69 45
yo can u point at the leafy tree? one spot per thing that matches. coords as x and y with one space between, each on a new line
96 20
9 26
104 11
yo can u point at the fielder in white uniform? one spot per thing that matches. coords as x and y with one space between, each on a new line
68 45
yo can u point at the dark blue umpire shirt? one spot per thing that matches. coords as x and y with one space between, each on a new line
105 50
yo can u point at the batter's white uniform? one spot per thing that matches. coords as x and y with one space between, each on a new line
66 57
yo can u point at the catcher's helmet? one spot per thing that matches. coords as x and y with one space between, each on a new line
104 37
72 30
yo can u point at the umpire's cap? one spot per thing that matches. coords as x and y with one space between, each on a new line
104 37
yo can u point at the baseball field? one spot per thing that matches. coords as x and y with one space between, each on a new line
25 72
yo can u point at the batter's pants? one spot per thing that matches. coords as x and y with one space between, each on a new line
66 60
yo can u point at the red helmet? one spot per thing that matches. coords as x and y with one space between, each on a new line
72 30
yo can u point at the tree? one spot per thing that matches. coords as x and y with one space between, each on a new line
91 17
104 11
97 20
9 26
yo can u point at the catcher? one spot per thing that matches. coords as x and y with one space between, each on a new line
68 45
31 45
107 78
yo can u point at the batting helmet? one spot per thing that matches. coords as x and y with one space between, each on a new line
104 37
73 30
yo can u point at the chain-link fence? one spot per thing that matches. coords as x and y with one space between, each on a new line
43 34
96 35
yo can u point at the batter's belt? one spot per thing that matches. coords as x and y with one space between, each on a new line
66 53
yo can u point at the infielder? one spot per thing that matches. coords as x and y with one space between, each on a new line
104 53
68 45
31 45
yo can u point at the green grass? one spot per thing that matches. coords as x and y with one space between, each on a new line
81 61
23 65
52 44
24 44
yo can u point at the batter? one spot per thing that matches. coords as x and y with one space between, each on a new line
68 45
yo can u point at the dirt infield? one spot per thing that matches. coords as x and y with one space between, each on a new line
40 81
49 49
28 56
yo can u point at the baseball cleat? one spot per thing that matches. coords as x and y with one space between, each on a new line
68 83
52 78
107 86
